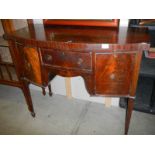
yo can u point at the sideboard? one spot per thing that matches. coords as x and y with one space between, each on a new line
106 58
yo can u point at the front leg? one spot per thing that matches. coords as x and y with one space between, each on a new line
26 92
129 108
50 90
43 91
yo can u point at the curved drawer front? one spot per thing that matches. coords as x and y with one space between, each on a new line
113 73
67 59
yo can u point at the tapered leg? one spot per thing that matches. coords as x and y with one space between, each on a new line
26 92
152 95
43 91
50 90
130 105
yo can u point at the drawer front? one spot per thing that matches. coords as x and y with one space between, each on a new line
113 73
66 59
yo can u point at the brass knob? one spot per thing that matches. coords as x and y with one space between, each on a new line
48 57
80 61
28 66
112 76
62 55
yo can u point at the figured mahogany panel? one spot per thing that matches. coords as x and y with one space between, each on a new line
31 64
67 59
113 73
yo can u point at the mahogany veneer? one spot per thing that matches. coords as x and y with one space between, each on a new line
84 22
108 64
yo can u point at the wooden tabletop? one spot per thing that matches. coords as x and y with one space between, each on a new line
88 35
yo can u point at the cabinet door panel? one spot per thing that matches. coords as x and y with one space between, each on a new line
113 73
31 64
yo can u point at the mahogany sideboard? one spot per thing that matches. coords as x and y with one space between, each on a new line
106 58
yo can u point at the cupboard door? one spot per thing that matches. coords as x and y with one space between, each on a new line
31 64
113 73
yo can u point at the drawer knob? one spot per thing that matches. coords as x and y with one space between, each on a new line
112 76
80 61
28 65
62 55
48 57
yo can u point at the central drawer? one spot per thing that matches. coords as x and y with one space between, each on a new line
67 59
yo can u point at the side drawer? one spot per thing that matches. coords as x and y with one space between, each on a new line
67 59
